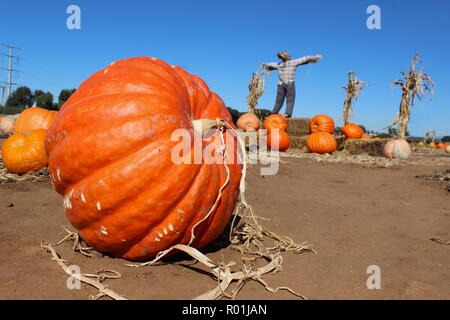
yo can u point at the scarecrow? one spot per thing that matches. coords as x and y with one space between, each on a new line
286 79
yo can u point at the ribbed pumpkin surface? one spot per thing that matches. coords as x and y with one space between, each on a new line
25 152
321 142
321 123
34 118
110 154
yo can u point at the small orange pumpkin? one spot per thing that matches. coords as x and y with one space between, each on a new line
440 145
321 142
352 131
248 121
275 121
34 118
432 145
278 140
421 144
365 136
23 152
321 123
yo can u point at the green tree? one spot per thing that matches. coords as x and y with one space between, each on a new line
45 100
64 95
263 113
37 93
235 114
363 128
392 131
22 97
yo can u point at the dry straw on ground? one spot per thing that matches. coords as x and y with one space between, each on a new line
439 176
34 176
436 158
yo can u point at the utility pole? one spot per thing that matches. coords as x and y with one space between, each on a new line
10 70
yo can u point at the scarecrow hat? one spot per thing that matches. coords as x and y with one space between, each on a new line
284 55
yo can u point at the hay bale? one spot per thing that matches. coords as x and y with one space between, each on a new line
298 126
298 142
364 146
340 140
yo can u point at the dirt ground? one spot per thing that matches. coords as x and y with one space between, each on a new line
354 217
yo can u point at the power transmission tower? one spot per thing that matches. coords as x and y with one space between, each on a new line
10 70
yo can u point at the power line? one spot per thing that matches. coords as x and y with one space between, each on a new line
10 69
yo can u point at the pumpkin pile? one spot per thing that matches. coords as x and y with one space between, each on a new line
277 138
24 150
321 139
110 156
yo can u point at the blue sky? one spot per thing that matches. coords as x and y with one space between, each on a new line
225 41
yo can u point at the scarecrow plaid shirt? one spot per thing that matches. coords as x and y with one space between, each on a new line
286 69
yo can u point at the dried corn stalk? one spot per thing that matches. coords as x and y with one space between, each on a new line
414 85
256 89
353 89
430 135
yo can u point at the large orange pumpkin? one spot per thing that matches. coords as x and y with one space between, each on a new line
352 131
440 145
7 124
321 123
397 149
248 121
34 118
321 142
25 152
275 121
111 156
278 140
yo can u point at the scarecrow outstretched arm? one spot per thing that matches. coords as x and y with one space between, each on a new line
307 59
271 65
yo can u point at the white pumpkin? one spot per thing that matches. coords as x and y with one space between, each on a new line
7 124
397 149
447 148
